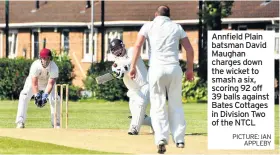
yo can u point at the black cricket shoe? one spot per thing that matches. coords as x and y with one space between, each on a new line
161 147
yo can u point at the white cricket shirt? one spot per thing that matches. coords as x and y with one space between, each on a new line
141 75
163 37
43 74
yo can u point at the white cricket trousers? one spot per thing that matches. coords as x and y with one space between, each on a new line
167 80
24 98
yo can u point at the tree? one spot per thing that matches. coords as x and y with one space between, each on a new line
210 15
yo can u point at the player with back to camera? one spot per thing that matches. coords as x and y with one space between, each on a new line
138 89
165 75
42 77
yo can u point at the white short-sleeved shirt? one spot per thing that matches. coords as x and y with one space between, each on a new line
163 37
141 76
43 74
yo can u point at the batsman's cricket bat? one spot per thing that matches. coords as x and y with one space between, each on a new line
104 78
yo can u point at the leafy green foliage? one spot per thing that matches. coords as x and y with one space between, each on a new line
13 73
214 11
194 91
74 93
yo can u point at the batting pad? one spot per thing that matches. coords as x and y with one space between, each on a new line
147 121
138 114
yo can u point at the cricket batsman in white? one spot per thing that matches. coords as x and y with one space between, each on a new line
42 77
138 89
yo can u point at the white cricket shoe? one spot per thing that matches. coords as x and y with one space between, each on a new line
20 125
180 145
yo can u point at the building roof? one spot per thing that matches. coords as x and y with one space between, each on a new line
129 11
255 9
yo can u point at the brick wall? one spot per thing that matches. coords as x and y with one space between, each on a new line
53 40
76 47
24 43
4 45
129 38
2 49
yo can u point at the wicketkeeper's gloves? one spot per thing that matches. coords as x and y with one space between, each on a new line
45 98
38 100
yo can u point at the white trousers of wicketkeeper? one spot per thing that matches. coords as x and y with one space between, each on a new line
138 101
24 98
167 80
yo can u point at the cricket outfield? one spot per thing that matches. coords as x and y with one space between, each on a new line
102 126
